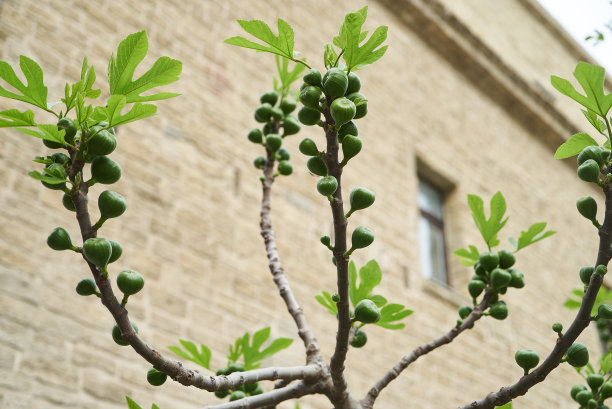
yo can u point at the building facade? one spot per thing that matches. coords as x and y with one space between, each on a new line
460 103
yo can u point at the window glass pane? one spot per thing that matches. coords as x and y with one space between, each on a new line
433 255
430 200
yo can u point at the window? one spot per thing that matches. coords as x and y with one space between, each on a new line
431 233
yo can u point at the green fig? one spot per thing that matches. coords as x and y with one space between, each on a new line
255 135
308 147
589 171
58 171
498 310
527 359
101 141
59 239
317 166
587 207
326 240
60 158
464 311
313 77
361 105
250 387
118 338
576 389
327 185
342 111
98 251
586 273
506 259
367 312
130 282
263 113
604 311
285 168
86 286
237 395
359 339
288 105
68 203
105 170
362 237
155 377
351 146
70 129
475 288
269 97
360 198
235 367
517 280
348 128
283 154
583 397
291 125
354 83
577 355
111 204
260 162
605 391
500 278
116 252
595 381
557 327
489 260
274 142
221 393
277 114
309 116
591 152
335 82
309 96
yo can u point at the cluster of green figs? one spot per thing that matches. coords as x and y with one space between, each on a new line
92 145
591 162
248 389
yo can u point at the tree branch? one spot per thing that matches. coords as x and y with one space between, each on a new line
271 398
581 321
267 232
475 315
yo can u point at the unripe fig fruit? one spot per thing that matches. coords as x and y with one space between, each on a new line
111 204
587 206
591 152
86 286
285 168
291 125
557 327
336 298
250 387
309 116
360 198
583 397
605 391
98 251
276 113
604 311
479 269
59 239
500 278
354 83
577 355
367 312
237 395
313 77
258 390
273 142
101 142
56 170
464 311
67 202
310 95
498 310
130 282
361 107
223 371
576 389
118 338
605 155
325 240
595 381
327 185
117 250
351 146
506 259
155 377
348 128
586 273
222 393
342 111
263 112
601 270
69 127
527 359
105 170
489 260
335 82
308 147
361 237
288 105
518 279
266 129
475 288
359 339
283 154
589 171
255 135
478 277
260 162
235 367
60 158
52 145
269 97
317 166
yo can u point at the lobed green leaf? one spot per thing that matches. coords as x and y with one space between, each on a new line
591 78
47 131
534 234
488 227
34 92
574 145
14 117
468 257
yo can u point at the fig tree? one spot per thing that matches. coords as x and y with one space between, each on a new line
557 327
583 397
517 280
605 391
367 312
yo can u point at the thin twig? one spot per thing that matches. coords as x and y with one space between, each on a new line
271 398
